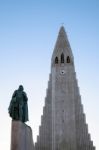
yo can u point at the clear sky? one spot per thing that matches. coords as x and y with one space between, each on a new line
28 32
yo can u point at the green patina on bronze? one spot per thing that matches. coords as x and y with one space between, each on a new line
18 108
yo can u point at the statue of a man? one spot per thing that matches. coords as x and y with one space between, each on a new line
18 108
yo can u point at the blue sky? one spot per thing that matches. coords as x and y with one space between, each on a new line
28 32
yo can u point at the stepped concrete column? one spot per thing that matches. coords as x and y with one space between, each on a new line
21 136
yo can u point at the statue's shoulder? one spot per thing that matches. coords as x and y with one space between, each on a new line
15 91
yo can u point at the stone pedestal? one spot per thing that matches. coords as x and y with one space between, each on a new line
21 136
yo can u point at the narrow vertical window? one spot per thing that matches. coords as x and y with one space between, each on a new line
56 60
62 58
68 59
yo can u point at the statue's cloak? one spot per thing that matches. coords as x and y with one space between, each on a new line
19 107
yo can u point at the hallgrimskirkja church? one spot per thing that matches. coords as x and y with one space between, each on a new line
63 123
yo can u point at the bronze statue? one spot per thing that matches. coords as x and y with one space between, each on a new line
18 109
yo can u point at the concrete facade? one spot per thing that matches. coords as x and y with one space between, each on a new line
21 136
63 124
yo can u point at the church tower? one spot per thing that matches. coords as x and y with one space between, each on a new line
63 123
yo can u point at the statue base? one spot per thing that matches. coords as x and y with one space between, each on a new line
21 136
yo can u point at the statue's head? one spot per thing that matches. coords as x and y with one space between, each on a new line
21 88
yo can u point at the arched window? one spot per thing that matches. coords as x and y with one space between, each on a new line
56 60
68 59
62 58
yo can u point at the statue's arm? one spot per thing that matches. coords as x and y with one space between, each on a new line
12 99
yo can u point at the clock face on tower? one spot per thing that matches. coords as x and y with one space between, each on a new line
62 71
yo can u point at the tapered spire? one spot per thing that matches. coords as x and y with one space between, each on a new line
62 39
62 45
